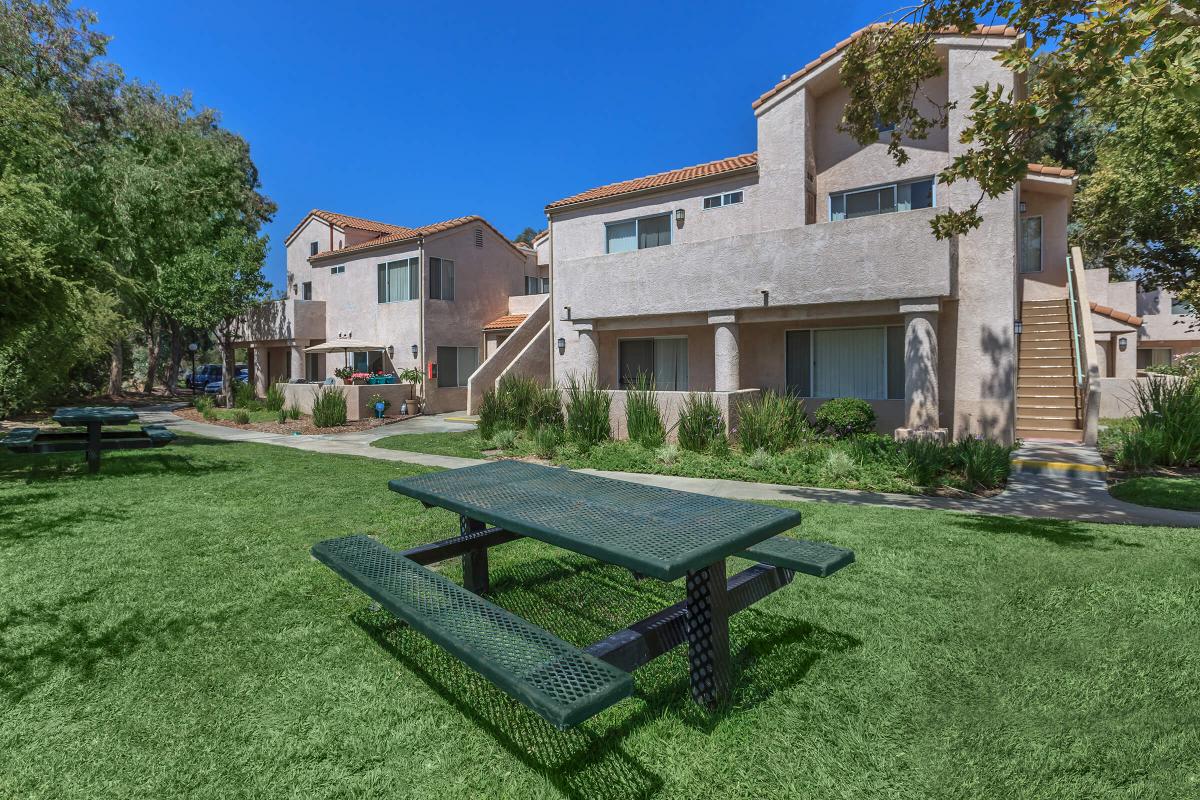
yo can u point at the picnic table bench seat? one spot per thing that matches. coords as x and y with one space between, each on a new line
812 558
20 440
555 679
158 434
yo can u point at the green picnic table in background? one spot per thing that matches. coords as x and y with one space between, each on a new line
93 439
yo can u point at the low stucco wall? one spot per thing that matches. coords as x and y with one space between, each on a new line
1118 395
671 403
358 398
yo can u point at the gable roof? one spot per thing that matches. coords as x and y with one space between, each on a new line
343 221
836 50
400 235
1050 170
506 323
1119 316
682 175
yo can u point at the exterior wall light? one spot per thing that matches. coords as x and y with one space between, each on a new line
1022 206
1123 344
766 298
414 351
1017 326
391 351
562 345
679 216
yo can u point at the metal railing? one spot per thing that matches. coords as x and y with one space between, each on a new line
1076 326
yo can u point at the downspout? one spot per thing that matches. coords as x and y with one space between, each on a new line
553 306
424 358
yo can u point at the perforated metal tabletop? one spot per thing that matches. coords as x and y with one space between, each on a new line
104 415
661 533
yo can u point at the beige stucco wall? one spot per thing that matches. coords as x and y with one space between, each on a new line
358 398
1051 282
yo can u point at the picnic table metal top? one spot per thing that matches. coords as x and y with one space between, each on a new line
86 415
658 532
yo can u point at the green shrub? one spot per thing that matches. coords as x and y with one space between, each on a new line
643 420
282 416
759 459
1172 406
520 395
1139 448
241 416
588 409
504 439
202 402
546 440
275 398
772 422
839 465
984 462
872 447
845 416
668 454
492 414
700 423
244 396
293 412
209 413
546 409
924 460
329 407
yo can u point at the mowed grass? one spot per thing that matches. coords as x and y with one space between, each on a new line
1178 493
164 633
465 444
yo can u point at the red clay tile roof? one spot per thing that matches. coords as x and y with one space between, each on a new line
505 323
828 55
711 169
399 235
345 221
1119 316
1051 171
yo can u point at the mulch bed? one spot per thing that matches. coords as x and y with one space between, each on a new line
303 426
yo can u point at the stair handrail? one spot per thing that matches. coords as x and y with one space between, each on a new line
1086 367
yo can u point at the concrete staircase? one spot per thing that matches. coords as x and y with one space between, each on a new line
1047 400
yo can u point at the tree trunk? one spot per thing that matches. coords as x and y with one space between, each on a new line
152 350
176 357
226 337
115 368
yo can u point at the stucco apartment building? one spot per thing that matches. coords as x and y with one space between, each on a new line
809 266
1135 329
437 296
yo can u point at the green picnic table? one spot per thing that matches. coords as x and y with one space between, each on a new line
654 532
93 438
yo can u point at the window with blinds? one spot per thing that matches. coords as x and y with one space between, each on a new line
455 365
400 280
441 279
638 234
663 359
846 362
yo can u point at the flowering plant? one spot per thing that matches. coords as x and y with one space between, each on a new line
360 377
343 372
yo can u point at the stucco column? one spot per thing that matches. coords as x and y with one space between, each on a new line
296 361
921 410
257 357
587 358
726 353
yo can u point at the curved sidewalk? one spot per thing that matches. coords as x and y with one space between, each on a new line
1028 494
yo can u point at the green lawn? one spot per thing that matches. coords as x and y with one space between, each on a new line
872 464
1178 493
255 416
164 633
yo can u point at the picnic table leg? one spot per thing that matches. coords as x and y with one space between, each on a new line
93 446
474 562
707 630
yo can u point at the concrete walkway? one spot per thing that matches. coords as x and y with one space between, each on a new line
1035 492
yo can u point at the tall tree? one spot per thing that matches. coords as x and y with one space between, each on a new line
526 236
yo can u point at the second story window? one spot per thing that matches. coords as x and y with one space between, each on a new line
726 199
881 199
638 234
306 290
400 280
1180 307
312 249
536 285
441 279
1031 244
338 270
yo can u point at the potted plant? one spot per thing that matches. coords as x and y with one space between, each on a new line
344 373
359 378
380 404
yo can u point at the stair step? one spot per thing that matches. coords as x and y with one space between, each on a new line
1052 434
1047 417
1035 402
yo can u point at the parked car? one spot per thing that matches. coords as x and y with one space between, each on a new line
205 374
215 387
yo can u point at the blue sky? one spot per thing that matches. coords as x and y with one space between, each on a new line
413 113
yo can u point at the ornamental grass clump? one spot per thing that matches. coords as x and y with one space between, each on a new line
520 395
924 460
588 409
244 397
772 422
202 403
546 440
241 416
504 439
275 398
643 420
700 423
1171 407
329 408
493 415
984 462
546 409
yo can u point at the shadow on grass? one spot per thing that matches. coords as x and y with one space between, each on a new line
62 466
44 639
1058 532
583 601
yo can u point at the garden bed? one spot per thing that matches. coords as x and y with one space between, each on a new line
268 422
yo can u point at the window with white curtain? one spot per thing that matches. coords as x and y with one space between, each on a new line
664 359
400 280
1031 244
637 234
881 199
846 362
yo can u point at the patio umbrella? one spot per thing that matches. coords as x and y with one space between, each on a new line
345 346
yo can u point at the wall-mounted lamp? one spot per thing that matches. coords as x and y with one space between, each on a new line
1123 344
566 313
679 216
391 351
1022 206
414 351
562 345
1017 327
766 298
